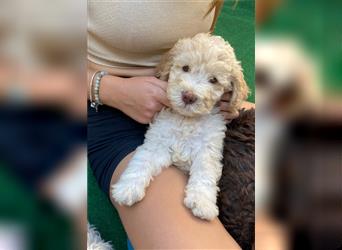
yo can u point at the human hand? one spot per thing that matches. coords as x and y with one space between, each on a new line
138 97
226 110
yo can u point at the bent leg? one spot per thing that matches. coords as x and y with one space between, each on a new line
161 221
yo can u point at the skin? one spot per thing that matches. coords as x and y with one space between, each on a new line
141 97
160 220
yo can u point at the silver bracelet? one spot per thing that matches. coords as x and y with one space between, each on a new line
95 89
91 86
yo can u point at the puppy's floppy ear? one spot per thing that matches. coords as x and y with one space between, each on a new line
164 67
240 89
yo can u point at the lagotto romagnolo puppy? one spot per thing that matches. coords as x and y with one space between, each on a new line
190 133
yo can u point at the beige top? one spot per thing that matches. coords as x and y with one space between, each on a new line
127 38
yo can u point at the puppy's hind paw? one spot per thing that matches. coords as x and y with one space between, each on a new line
127 194
201 207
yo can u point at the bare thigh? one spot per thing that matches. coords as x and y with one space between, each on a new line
161 221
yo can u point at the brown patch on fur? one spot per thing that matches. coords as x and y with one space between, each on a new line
236 196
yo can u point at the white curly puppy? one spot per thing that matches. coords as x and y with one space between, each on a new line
190 134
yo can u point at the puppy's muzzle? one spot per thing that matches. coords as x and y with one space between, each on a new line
188 97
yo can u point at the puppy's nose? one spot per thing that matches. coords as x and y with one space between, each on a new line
188 97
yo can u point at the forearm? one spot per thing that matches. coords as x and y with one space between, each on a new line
138 97
110 91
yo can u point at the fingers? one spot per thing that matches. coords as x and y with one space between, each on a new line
158 83
161 97
226 109
163 100
227 96
229 116
160 90
225 106
248 105
158 106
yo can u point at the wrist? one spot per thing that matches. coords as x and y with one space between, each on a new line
110 90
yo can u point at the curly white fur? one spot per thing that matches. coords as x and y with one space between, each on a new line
189 136
94 240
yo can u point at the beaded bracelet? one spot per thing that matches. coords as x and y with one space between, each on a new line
91 86
95 89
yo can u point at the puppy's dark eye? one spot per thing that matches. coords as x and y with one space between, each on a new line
186 68
213 80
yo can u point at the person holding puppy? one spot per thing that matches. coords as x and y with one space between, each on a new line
125 42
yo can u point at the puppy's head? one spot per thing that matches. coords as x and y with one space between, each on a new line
199 70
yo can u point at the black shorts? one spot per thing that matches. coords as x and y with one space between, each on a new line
112 135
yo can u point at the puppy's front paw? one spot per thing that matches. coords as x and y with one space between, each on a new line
201 206
127 194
